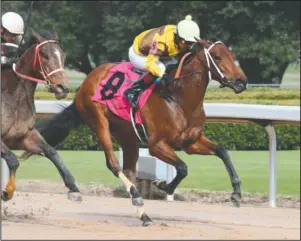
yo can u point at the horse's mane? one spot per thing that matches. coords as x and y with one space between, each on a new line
46 34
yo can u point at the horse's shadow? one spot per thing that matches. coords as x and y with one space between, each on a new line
147 191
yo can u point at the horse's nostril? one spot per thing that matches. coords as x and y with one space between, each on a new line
63 88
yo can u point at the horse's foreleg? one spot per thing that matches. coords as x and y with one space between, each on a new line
165 153
205 147
34 142
130 157
104 136
13 164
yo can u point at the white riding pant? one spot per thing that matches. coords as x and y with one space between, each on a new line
139 61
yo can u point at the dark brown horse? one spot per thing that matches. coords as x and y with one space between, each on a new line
169 124
42 62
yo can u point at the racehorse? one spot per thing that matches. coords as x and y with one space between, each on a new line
42 61
170 123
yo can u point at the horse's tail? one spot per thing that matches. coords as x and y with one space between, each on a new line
57 129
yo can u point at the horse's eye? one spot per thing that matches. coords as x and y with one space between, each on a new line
45 56
217 57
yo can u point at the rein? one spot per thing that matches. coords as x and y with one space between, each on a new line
37 58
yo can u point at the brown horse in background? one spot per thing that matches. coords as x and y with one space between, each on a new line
42 62
169 124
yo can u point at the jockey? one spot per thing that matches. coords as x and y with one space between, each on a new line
154 46
12 29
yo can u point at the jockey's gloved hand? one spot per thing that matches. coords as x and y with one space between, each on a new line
168 78
3 59
11 60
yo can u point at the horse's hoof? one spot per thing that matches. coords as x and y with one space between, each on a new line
162 185
75 196
235 199
4 196
146 221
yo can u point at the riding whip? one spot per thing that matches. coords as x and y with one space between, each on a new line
27 23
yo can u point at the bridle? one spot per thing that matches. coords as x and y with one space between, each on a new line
37 59
209 57
209 60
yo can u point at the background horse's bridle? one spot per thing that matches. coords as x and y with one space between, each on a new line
37 59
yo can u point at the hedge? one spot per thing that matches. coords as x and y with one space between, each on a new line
231 136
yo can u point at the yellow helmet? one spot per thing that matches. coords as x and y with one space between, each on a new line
188 29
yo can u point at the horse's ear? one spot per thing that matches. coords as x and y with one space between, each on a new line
36 36
202 42
55 36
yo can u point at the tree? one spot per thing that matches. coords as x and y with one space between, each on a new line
265 35
78 24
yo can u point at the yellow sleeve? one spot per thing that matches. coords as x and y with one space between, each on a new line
156 50
151 65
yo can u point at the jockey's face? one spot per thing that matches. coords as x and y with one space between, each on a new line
185 46
8 37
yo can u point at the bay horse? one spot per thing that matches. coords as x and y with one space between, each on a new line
169 124
42 61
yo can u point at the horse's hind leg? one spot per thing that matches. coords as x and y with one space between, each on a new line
104 136
205 147
13 164
35 143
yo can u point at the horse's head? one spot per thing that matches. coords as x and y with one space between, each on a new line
48 63
221 66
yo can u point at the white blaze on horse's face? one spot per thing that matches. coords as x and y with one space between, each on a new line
58 54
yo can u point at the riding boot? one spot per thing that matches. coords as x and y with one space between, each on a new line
132 94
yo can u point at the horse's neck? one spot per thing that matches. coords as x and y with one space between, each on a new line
30 88
191 95
16 95
26 68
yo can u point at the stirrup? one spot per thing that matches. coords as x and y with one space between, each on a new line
131 98
134 103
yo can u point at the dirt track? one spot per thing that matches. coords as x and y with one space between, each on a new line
51 216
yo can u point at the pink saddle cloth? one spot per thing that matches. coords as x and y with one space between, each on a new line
110 92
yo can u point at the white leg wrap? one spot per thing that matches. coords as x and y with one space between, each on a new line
126 182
